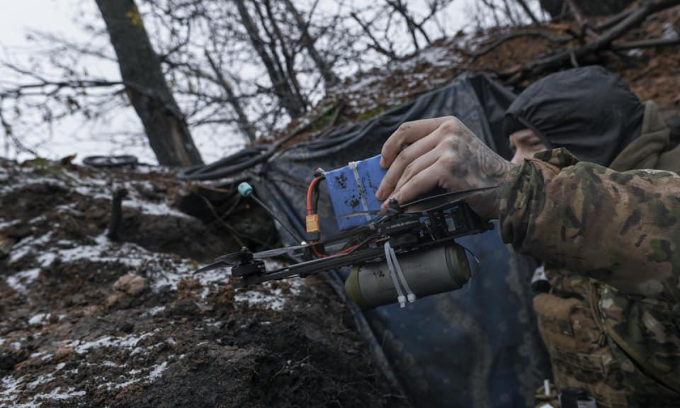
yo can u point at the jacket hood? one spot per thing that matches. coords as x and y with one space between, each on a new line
656 148
590 111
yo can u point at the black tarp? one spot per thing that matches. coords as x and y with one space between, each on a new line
477 347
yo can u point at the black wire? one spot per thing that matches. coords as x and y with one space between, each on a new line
266 208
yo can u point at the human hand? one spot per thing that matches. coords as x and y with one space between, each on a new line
441 152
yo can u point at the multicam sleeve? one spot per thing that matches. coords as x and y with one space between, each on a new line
620 228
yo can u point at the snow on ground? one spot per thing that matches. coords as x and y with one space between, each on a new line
19 281
274 297
11 388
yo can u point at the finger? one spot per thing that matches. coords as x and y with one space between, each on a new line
416 166
408 132
404 159
419 184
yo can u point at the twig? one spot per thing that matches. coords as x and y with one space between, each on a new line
9 134
376 44
581 19
242 121
614 20
528 11
659 42
578 14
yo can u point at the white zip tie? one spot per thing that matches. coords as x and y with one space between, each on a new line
400 295
360 187
411 296
395 268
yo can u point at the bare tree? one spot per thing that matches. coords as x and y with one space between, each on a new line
140 68
215 67
280 82
243 122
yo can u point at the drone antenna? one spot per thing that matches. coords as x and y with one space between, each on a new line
246 190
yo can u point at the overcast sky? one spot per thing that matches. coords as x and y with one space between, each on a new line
59 17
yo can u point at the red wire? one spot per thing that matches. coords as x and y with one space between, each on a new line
310 211
316 252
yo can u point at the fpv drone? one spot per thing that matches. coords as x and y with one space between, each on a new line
424 224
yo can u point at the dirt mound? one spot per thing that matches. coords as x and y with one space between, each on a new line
92 322
652 72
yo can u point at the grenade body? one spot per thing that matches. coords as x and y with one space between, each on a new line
429 272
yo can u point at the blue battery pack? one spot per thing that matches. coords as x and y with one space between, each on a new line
352 190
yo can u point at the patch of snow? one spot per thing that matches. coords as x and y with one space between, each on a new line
131 377
366 81
20 280
42 379
38 319
636 52
4 225
46 259
149 208
38 219
127 342
158 371
669 31
24 247
10 388
170 279
154 311
55 394
271 298
37 354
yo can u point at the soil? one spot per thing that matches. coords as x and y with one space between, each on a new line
88 321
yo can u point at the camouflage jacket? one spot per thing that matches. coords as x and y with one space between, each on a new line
611 241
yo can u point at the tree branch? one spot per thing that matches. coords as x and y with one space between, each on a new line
602 42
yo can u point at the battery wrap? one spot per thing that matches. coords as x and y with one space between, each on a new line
352 190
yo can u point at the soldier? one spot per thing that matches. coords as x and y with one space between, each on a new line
609 236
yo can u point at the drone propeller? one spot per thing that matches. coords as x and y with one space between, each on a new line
210 267
244 255
231 259
278 252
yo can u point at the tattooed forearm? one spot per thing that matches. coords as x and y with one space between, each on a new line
442 152
482 168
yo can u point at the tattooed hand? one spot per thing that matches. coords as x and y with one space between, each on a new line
441 152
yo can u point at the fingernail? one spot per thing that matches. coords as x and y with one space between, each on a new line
382 162
378 194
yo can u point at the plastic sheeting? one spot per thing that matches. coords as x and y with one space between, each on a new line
477 347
